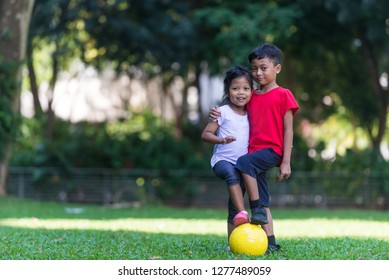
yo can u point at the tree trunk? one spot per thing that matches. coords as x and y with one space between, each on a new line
380 93
33 83
14 25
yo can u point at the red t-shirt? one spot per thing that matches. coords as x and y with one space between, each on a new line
266 115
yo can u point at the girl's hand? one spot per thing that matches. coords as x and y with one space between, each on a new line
228 139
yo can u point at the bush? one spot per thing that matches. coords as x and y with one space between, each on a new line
142 141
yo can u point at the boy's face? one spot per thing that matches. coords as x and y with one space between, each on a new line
264 71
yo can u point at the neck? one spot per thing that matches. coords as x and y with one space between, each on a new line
269 87
238 109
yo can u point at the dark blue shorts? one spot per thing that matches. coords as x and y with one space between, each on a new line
256 164
226 171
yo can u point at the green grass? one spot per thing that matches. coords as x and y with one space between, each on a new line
52 231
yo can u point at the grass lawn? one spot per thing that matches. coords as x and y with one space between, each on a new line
55 231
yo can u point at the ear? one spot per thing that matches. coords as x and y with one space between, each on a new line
278 68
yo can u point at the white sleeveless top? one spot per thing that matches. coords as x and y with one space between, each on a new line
231 124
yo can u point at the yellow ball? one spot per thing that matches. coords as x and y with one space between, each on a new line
248 239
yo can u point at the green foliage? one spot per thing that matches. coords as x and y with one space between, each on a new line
56 27
343 66
155 36
148 38
141 141
9 89
231 31
326 70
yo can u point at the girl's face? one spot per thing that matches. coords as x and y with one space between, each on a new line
240 92
264 71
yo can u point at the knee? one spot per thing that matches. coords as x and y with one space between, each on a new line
240 160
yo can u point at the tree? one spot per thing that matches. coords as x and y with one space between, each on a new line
53 28
146 39
227 33
14 24
367 21
340 50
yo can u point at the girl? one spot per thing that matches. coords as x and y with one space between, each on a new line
230 133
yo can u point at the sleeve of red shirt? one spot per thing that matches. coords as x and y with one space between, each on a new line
289 103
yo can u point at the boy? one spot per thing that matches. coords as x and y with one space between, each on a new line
270 110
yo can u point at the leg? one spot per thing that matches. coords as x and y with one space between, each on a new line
268 228
226 171
253 167
230 228
236 195
250 165
258 214
251 186
232 213
256 165
263 189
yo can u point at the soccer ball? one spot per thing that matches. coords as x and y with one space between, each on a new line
248 239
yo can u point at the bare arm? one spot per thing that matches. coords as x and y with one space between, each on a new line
285 169
209 136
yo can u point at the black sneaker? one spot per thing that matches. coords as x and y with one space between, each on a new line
259 216
271 248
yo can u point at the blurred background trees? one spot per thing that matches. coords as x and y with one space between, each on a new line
336 63
14 24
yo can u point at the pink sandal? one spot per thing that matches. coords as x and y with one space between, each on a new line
241 218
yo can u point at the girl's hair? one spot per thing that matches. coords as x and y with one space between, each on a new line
269 51
235 72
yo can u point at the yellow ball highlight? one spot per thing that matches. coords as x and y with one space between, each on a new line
248 239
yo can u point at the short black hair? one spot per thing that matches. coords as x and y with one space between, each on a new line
269 51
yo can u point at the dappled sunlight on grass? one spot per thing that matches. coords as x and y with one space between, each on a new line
331 228
290 228
176 226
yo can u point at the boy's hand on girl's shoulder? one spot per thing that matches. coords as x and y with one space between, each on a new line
214 114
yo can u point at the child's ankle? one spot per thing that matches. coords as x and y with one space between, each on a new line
254 204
